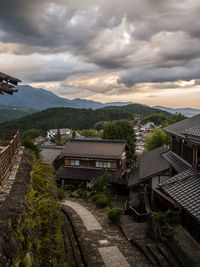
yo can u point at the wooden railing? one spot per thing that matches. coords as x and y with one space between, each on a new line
10 141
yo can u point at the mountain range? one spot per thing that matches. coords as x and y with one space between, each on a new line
188 112
38 98
30 99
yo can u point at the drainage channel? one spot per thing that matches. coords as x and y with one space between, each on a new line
72 243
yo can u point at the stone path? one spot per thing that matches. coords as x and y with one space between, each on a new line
87 217
111 255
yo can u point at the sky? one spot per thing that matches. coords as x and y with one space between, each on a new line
108 50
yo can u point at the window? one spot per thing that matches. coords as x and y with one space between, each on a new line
103 164
74 162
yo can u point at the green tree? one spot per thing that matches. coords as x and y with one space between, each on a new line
120 130
58 138
156 139
73 134
176 118
90 133
32 133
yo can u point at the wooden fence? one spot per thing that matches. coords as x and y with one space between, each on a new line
9 145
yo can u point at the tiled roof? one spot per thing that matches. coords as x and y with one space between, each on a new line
179 127
111 149
88 174
178 164
193 131
184 188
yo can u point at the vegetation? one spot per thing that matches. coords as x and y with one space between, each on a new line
10 113
90 133
28 143
115 214
32 133
162 119
123 130
101 191
101 184
156 139
55 118
157 118
100 200
39 231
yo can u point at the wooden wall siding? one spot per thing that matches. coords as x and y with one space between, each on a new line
177 146
67 162
90 163
113 165
7 154
188 153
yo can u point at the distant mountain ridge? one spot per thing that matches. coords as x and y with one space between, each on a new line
38 98
188 112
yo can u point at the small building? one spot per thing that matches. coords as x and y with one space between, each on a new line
63 132
83 160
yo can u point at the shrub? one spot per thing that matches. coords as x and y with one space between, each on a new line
101 184
100 200
61 194
114 214
28 143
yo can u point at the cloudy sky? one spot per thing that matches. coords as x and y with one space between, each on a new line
108 50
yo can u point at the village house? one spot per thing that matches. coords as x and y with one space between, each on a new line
63 132
182 190
83 160
172 175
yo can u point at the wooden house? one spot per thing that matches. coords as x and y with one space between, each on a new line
182 190
83 160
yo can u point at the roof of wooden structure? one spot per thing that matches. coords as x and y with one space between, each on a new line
7 84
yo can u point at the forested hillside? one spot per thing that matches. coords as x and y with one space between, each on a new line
76 118
9 113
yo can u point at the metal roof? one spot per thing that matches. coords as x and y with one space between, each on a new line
151 164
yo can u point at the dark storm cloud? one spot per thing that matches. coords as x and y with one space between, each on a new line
151 40
159 75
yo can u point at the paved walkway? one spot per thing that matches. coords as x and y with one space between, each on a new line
87 217
111 255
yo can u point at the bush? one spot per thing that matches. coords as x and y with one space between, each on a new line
114 214
28 143
101 184
61 194
100 200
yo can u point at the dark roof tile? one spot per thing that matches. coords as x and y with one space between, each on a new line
177 163
179 127
184 188
88 174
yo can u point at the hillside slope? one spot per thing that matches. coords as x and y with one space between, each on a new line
76 118
10 113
